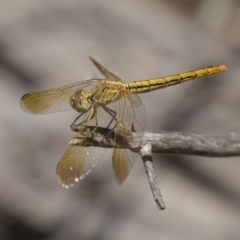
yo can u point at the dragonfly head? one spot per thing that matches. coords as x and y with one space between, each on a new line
80 101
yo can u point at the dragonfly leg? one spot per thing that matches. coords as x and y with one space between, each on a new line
94 114
73 125
85 131
113 114
90 116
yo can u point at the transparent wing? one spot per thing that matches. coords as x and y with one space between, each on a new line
136 112
131 115
76 163
104 71
122 162
54 100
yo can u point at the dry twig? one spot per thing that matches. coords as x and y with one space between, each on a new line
169 142
146 154
163 142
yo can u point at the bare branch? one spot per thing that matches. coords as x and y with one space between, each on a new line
167 142
158 141
146 154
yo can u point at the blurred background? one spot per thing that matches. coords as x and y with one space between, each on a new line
46 44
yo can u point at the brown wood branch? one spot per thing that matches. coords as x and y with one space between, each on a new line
167 142
146 154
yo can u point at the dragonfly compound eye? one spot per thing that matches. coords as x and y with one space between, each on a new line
79 101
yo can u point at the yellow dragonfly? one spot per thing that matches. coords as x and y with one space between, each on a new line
109 103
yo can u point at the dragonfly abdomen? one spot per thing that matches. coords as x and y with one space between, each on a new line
157 83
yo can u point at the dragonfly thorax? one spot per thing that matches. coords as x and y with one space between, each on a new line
80 101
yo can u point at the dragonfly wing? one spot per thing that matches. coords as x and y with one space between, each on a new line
76 163
130 114
122 162
136 112
104 71
54 100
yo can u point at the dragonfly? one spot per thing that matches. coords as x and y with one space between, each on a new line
109 102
